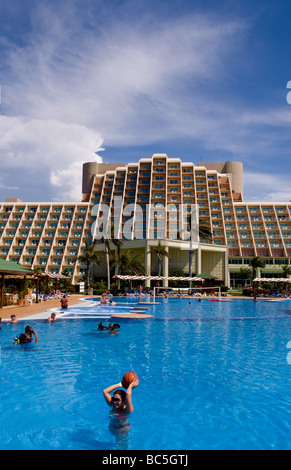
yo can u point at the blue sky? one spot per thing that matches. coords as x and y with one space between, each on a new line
199 80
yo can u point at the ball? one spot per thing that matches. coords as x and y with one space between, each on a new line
128 378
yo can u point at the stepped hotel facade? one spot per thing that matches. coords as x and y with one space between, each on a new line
141 203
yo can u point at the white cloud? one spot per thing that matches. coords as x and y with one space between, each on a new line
270 188
50 147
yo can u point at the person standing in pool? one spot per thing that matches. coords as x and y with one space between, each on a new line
121 404
52 318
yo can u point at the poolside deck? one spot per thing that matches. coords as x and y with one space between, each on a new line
33 309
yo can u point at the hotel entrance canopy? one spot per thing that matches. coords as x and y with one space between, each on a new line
157 278
272 279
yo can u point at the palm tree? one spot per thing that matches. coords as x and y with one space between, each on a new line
106 242
159 251
286 270
90 256
256 263
118 244
131 263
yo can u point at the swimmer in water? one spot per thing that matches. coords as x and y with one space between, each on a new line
121 404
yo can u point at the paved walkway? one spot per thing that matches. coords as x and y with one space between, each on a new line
33 309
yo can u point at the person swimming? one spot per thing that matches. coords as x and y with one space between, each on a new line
111 327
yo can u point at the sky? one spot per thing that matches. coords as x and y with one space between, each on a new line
120 80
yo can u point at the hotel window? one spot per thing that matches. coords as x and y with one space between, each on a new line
245 243
231 243
173 182
45 251
260 244
56 271
43 260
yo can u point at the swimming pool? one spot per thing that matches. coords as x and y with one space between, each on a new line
213 375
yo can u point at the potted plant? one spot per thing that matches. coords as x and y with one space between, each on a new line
22 292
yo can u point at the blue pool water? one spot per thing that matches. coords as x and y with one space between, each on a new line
212 376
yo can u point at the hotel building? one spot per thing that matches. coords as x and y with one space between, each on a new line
144 199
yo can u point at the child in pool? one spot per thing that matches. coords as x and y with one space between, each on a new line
121 404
